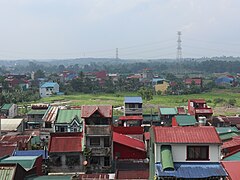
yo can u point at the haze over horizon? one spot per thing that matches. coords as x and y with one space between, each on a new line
58 29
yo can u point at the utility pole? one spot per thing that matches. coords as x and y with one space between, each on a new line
116 53
179 46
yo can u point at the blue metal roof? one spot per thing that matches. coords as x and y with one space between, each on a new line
48 84
192 170
32 153
133 99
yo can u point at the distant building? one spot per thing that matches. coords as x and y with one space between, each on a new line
160 85
225 81
196 81
166 115
133 106
9 110
49 88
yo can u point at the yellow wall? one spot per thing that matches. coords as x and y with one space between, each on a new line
161 87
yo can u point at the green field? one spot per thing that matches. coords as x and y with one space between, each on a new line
158 100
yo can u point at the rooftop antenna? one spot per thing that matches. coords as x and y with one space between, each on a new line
179 46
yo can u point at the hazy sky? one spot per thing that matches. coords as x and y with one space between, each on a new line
45 29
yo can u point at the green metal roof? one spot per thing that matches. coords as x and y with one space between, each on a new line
221 130
67 115
49 177
26 162
185 120
166 157
234 157
149 117
37 111
6 106
168 111
7 173
226 136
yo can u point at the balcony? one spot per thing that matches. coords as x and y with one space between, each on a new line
98 130
133 110
203 111
100 151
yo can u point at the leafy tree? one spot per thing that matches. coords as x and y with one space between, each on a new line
146 93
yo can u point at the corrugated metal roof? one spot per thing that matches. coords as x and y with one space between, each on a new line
136 99
53 177
65 142
42 153
51 114
67 115
128 141
168 111
6 106
189 134
27 162
185 120
192 170
232 168
227 136
130 118
37 111
7 149
48 84
104 110
221 130
234 142
233 157
7 172
10 124
15 139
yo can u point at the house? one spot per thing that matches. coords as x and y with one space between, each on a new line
185 153
12 171
9 110
35 115
225 81
23 142
166 115
66 152
68 120
133 106
193 81
231 146
11 125
29 163
232 168
227 133
48 88
160 85
199 108
98 137
183 120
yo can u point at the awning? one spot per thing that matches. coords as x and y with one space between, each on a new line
167 159
192 170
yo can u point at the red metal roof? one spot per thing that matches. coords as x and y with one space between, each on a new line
198 100
139 174
232 168
16 139
128 141
147 136
198 81
65 142
234 142
232 119
7 149
104 110
204 134
130 118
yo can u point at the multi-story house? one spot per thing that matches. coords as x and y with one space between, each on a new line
49 88
133 106
185 153
98 137
9 110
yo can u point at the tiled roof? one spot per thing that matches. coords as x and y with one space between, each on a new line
185 120
6 106
27 162
168 111
130 118
10 124
232 168
205 134
37 111
65 142
104 110
48 84
133 99
67 115
128 141
42 153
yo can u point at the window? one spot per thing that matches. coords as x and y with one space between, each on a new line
197 153
95 141
72 160
95 160
107 161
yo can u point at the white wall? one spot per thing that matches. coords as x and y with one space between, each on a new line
12 111
44 93
179 152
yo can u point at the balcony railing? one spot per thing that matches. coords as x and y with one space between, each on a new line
98 130
100 151
133 110
204 110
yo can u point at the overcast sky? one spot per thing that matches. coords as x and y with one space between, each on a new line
45 29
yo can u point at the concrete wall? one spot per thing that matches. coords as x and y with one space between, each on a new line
179 152
12 111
